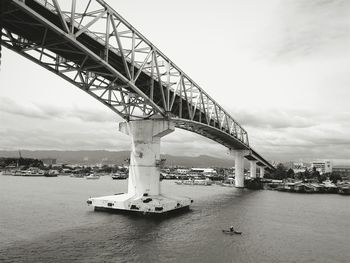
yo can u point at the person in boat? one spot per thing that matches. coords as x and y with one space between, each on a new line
232 229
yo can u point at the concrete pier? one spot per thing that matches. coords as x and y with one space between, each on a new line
144 193
253 169
262 171
239 166
145 154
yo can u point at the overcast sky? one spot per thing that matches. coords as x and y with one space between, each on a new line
280 67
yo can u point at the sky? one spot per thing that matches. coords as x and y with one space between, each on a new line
281 68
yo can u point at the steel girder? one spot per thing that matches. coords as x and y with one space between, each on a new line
97 50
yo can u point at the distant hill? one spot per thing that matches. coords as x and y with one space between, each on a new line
114 157
198 161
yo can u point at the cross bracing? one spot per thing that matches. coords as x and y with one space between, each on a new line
94 48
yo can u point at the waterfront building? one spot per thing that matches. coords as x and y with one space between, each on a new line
165 170
299 167
203 170
182 171
207 172
48 161
58 165
322 166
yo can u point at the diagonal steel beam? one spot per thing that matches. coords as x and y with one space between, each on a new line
60 15
121 49
86 27
91 54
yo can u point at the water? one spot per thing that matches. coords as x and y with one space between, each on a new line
47 220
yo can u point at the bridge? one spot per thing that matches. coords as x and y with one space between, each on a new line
94 48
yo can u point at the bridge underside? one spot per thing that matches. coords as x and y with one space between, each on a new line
210 132
223 138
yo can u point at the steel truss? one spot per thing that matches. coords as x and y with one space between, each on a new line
97 50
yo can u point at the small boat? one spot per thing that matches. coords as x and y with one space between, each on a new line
119 176
227 185
329 187
92 176
30 172
8 172
344 189
77 175
206 182
229 182
52 173
231 232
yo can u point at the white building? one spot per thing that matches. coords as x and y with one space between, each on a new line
182 171
203 170
322 166
209 172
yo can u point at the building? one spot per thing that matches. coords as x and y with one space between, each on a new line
182 171
322 166
204 171
48 161
299 167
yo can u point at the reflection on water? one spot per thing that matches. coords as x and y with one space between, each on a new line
47 220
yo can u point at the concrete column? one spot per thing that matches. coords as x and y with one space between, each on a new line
145 153
262 171
252 169
239 167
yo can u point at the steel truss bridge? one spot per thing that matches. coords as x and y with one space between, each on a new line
91 46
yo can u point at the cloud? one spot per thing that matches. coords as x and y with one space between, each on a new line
323 141
294 134
43 139
280 135
274 119
46 111
7 105
182 142
308 28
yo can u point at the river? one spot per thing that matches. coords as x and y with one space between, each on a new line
48 220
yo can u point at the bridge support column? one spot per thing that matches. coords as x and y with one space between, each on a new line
144 194
253 169
145 154
262 171
239 167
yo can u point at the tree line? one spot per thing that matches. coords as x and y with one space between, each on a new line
20 162
281 173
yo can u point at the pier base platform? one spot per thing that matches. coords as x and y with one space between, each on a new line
149 204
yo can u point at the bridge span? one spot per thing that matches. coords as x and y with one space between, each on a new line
91 46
